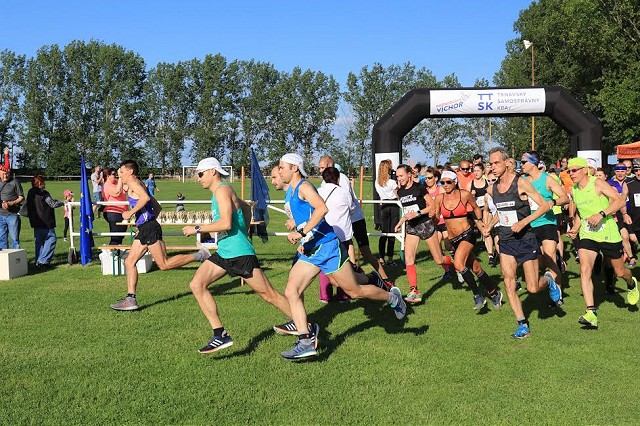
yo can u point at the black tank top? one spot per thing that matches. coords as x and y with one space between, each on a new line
511 209
478 192
412 199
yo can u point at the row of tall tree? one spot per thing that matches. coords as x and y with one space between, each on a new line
101 101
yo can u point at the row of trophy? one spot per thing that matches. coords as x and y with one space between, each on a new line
185 217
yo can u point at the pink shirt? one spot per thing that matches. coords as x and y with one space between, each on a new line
108 186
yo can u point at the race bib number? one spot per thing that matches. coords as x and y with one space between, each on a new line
480 201
410 208
533 205
507 218
636 200
590 228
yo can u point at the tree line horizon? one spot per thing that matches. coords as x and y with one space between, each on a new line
100 100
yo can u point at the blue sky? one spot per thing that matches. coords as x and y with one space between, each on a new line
465 37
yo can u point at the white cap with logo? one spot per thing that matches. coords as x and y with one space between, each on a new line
296 160
210 163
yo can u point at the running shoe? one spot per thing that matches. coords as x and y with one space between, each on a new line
496 300
304 348
633 295
217 343
632 262
521 332
288 328
460 279
479 302
397 303
589 319
202 254
314 330
127 304
493 260
561 263
414 296
554 290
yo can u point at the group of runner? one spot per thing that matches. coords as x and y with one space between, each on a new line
518 212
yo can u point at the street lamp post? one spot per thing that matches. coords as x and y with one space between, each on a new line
527 45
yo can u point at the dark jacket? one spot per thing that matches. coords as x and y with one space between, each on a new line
40 206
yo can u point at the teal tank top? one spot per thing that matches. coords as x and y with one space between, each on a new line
540 185
234 242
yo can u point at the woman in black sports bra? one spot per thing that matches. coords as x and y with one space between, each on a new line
453 207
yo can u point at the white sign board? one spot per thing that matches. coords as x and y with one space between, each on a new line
594 158
487 101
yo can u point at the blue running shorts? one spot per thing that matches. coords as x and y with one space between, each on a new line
328 256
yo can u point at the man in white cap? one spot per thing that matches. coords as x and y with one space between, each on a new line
358 223
319 250
148 238
235 254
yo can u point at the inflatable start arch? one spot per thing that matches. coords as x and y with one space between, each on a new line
585 130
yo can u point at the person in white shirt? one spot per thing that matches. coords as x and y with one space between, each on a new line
358 222
387 190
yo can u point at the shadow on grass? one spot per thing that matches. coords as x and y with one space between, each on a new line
378 317
215 290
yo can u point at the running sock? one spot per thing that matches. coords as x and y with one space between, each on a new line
412 276
131 295
523 321
592 309
468 277
217 332
487 283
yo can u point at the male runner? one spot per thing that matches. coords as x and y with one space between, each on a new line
235 254
596 202
518 244
545 227
319 250
148 238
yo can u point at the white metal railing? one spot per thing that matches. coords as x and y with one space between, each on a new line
399 235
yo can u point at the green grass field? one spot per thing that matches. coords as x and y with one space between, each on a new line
66 358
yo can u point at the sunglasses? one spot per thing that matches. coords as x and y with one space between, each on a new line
491 180
200 174
465 169
575 170
446 182
429 177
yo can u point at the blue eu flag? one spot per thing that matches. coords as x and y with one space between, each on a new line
86 216
259 190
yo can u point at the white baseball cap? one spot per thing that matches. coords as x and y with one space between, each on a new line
296 160
210 163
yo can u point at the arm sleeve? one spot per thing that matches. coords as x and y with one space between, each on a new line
53 203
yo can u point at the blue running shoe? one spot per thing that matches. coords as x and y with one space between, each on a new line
304 348
217 343
496 300
554 290
397 303
521 332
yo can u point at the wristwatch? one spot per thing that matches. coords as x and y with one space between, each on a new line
197 228
603 214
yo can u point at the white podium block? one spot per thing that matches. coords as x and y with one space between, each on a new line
13 263
113 263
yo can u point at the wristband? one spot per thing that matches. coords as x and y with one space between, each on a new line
301 232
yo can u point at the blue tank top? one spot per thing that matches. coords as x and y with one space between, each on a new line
301 211
549 218
142 216
619 187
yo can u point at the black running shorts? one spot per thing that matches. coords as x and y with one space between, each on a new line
610 250
469 236
149 233
241 266
523 249
424 229
546 232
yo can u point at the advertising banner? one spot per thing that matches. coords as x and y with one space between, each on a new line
487 101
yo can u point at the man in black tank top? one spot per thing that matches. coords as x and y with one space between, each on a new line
518 244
